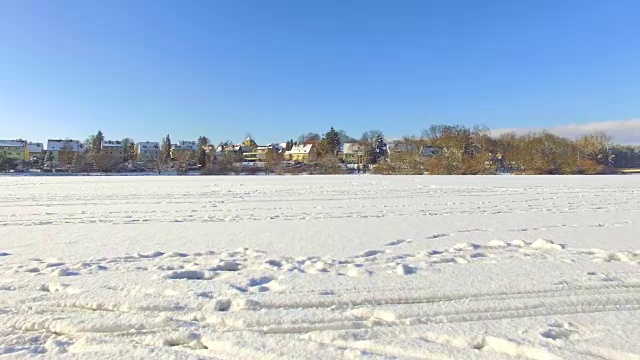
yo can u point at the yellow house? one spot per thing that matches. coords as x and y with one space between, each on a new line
303 153
271 151
14 149
250 143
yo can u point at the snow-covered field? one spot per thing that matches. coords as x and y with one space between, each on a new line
320 267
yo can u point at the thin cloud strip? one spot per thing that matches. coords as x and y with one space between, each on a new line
621 131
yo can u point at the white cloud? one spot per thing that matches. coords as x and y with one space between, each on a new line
622 132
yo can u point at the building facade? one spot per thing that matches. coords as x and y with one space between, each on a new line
55 146
303 153
183 148
14 149
148 151
36 151
114 150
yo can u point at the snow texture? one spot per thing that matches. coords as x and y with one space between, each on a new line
306 267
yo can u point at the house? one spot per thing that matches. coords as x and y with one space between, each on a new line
304 153
250 157
55 146
14 149
352 153
36 151
113 149
270 151
147 151
183 148
249 143
235 151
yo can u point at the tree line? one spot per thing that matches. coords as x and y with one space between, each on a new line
440 149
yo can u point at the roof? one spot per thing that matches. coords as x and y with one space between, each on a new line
13 143
36 147
300 149
271 146
112 144
185 145
57 145
149 145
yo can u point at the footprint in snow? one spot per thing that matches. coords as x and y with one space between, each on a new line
370 253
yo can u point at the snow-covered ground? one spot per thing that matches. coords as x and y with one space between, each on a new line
320 267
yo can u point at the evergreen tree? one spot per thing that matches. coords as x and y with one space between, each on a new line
379 148
96 142
128 148
332 139
166 149
49 158
203 141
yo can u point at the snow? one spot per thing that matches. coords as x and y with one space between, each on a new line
57 145
320 267
300 149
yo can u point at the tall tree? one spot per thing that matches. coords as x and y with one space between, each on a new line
344 138
203 141
332 138
308 137
78 163
49 158
289 145
96 142
128 149
165 153
379 148
65 157
370 136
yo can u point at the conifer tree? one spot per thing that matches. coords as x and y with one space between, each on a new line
332 139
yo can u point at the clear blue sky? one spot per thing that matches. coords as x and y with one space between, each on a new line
280 68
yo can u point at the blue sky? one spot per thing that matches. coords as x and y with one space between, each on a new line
279 68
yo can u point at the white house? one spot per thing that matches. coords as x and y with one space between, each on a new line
148 151
54 146
184 148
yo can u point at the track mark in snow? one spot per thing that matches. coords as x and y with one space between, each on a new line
404 269
398 242
492 344
371 253
438 235
557 331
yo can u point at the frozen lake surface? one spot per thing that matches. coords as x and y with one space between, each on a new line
320 267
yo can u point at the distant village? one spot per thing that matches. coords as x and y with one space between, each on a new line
98 154
441 149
